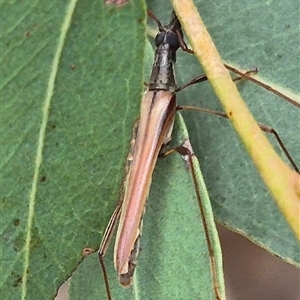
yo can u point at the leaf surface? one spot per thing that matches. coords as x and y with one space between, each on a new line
55 204
70 73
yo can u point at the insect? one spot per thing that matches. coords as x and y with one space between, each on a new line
150 135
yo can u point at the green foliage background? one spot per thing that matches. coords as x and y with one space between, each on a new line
97 62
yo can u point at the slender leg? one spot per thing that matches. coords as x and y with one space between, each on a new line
263 127
110 229
186 151
247 73
193 81
202 78
262 84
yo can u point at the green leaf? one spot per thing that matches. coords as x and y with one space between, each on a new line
70 73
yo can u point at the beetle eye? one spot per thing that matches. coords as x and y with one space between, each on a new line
167 37
172 40
159 38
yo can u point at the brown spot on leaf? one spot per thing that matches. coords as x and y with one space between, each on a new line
87 251
17 282
116 2
16 222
